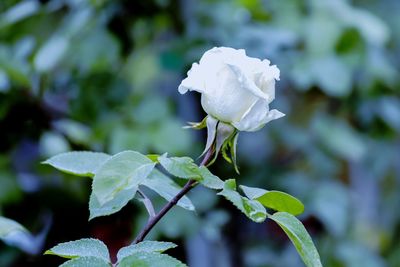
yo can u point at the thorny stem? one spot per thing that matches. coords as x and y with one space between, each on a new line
154 220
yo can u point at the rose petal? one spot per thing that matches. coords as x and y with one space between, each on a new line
230 103
223 54
257 116
248 84
194 80
235 88
265 76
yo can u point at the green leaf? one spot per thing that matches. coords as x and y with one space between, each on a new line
144 246
80 163
282 201
251 208
86 262
275 200
210 180
299 237
77 132
8 226
166 188
123 171
87 247
339 137
332 75
150 259
331 205
182 167
178 140
116 204
253 192
19 12
13 233
51 53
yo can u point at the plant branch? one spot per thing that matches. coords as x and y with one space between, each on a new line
154 220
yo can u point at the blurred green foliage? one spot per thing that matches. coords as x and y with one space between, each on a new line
103 75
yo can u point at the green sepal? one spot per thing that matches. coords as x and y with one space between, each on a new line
211 133
225 148
224 133
230 144
197 125
233 144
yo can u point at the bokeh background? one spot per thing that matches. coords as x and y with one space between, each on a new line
102 75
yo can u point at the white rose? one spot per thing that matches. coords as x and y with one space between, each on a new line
235 88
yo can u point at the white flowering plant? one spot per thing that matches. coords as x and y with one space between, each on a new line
236 91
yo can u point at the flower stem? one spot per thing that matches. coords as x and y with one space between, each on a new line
155 219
